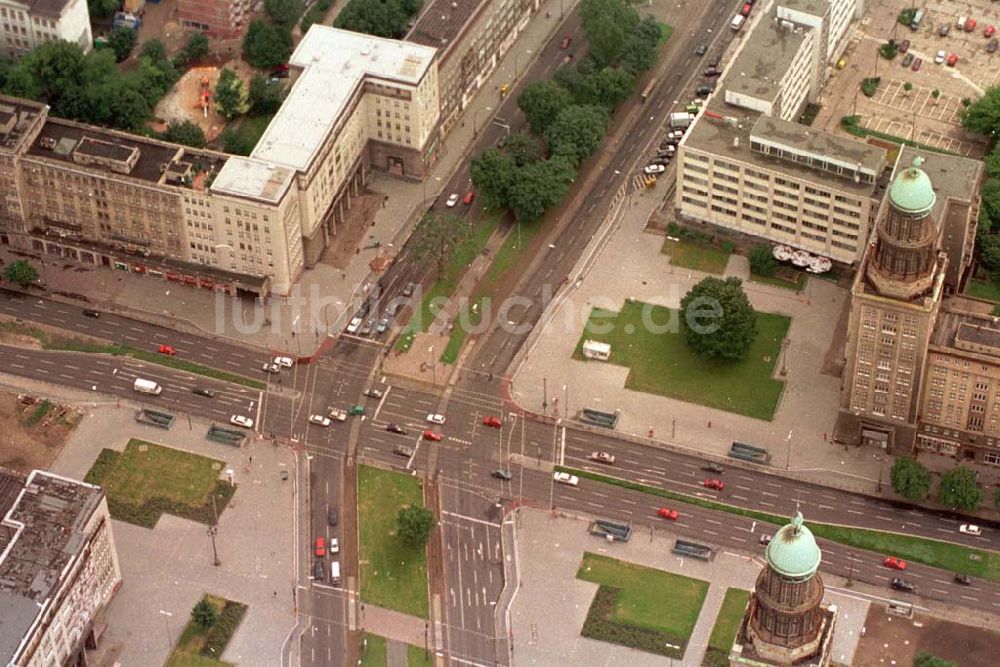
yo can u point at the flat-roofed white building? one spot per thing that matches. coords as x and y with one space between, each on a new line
27 24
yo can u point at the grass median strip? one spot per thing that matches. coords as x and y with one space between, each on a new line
935 553
726 625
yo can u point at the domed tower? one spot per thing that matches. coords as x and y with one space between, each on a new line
785 622
903 262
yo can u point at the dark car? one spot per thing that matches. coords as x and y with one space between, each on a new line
500 473
907 60
902 585
279 73
87 312
318 570
701 50
395 428
403 450
963 579
991 47
202 391
904 46
713 467
332 517
712 72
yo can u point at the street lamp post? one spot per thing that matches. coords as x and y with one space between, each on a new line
166 626
212 530
475 117
430 354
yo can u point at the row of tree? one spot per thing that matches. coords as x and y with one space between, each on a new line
268 40
958 487
569 115
983 117
382 18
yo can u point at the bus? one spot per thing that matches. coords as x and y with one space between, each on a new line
648 90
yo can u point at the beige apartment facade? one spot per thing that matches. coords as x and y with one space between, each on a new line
27 24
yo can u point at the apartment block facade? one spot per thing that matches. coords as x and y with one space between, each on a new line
220 18
27 24
211 220
58 568
472 37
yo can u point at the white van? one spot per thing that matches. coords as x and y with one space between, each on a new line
147 387
738 22
335 573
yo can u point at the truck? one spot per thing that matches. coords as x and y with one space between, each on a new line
147 387
737 22
335 573
680 119
126 20
593 349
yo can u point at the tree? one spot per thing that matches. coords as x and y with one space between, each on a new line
607 24
414 525
265 95
638 52
121 41
989 253
925 659
762 261
204 613
103 9
231 94
436 238
983 115
990 196
959 489
577 132
20 273
907 87
236 142
607 87
185 132
382 18
522 148
541 102
266 46
935 94
996 498
910 478
493 173
717 320
889 50
284 12
538 186
196 47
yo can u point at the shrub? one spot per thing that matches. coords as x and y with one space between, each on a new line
223 629
762 261
870 85
598 625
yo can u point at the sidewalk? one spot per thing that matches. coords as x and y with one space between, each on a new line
393 625
294 328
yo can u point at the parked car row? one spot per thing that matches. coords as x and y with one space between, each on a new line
364 323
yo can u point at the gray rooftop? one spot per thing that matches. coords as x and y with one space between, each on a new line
957 322
43 530
834 147
814 7
52 8
245 177
442 21
766 55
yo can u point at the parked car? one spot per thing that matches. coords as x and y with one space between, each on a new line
500 473
904 46
907 60
963 579
269 367
240 420
337 414
712 72
715 468
894 563
334 546
168 350
452 200
395 428
701 50
332 517
433 436
402 450
660 161
92 314
667 513
368 328
566 41
408 290
373 393
354 325
766 538
990 30
469 197
902 585
602 457
284 361
566 478
319 571
944 29
970 529
356 410
202 391
745 10
492 421
939 58
713 484
952 59
916 64
320 547
654 169
970 24
319 420
435 418
991 46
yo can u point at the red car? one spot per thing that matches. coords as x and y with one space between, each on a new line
492 421
320 547
990 29
894 563
167 350
970 25
469 197
745 11
952 59
566 41
916 64
432 435
713 484
667 513
904 46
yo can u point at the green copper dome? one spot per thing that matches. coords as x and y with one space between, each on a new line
793 551
911 192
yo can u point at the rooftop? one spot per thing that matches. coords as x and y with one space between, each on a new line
911 191
846 151
951 175
252 178
442 21
814 7
765 58
792 551
959 327
334 64
53 8
16 116
43 531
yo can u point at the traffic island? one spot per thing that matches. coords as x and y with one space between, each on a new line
214 621
720 643
629 609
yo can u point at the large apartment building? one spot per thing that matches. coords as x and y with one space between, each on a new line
27 24
58 568
219 18
238 224
745 165
472 37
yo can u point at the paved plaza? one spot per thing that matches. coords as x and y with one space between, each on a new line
551 603
165 571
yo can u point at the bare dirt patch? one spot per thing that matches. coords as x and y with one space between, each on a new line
891 640
35 431
351 232
184 100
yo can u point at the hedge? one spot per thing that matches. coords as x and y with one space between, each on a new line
599 625
223 629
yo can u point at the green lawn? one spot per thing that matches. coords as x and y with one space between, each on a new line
639 603
147 480
416 656
664 364
665 32
788 279
251 128
945 555
726 625
984 289
697 256
200 647
392 575
373 650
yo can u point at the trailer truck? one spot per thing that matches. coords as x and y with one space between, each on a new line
147 387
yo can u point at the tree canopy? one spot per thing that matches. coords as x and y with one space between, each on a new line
121 41
522 148
103 9
185 132
717 320
983 115
910 478
267 45
493 174
414 525
284 12
538 186
577 132
925 659
20 273
195 49
382 18
436 238
762 261
265 95
607 25
541 102
204 613
958 488
231 94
